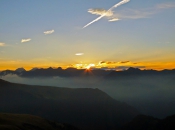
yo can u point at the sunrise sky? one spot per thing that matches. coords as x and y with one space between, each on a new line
44 33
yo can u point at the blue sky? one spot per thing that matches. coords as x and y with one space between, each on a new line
144 33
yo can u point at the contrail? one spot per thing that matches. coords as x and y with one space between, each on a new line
116 5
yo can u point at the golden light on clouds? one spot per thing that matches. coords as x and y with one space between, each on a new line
2 44
122 65
90 65
106 65
25 40
83 66
79 54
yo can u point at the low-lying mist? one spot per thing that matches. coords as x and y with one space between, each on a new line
151 95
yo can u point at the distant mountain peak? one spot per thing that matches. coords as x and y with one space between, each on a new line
20 70
33 69
133 69
59 68
50 68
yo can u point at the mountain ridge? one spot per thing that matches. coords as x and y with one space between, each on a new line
73 72
86 108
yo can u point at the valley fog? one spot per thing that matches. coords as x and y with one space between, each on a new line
151 95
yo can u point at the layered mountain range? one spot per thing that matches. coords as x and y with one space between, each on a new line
73 72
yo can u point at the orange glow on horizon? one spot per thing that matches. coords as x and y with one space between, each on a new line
101 65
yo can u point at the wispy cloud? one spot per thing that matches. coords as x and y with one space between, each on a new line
119 65
123 62
135 14
101 12
167 5
144 13
49 32
111 65
113 19
104 13
25 40
2 44
107 62
114 62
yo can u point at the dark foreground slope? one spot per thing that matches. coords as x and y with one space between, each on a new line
85 108
30 122
143 122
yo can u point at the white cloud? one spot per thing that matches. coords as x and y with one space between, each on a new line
2 44
101 12
79 54
144 13
49 32
104 13
113 19
25 40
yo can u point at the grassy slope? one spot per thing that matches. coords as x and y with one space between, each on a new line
28 122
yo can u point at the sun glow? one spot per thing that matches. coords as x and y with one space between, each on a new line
89 66
84 66
105 65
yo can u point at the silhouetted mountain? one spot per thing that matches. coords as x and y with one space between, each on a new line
143 122
84 107
167 123
73 72
30 122
137 72
6 72
20 70
50 72
33 69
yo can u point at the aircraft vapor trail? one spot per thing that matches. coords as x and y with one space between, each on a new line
116 5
